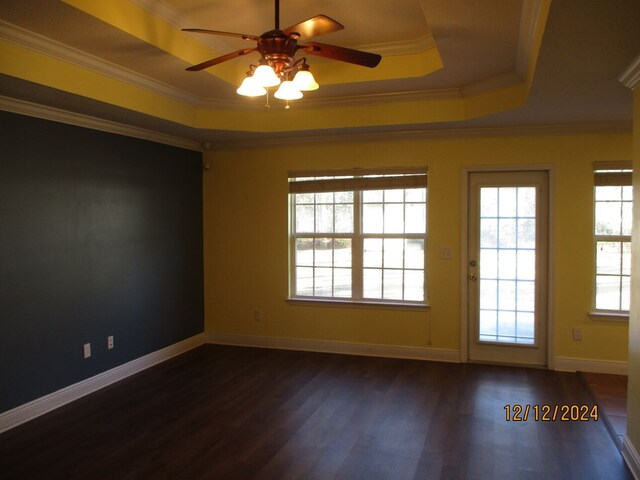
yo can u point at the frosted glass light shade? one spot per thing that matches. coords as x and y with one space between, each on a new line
265 76
251 88
288 91
304 81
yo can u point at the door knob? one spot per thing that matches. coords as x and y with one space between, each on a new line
472 276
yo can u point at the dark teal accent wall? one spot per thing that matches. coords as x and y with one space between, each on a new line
100 234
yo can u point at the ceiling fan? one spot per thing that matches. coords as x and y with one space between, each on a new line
278 48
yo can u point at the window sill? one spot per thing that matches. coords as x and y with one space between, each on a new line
610 316
356 304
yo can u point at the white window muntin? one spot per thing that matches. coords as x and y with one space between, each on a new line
612 236
365 187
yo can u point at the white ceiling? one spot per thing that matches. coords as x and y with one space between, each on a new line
586 45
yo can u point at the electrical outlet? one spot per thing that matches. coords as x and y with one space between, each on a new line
257 315
86 350
577 334
110 342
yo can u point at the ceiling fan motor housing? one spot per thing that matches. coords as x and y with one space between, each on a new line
278 49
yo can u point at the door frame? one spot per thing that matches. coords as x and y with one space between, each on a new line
464 255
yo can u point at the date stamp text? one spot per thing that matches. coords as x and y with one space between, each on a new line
551 413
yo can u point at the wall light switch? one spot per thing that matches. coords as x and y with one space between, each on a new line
110 342
86 350
577 334
446 253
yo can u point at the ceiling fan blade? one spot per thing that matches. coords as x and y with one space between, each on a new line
314 26
243 36
223 58
342 54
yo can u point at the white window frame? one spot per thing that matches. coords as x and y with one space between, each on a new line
352 180
608 173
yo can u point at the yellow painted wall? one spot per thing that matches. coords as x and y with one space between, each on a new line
245 208
633 393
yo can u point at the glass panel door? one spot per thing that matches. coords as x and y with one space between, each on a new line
507 267
507 264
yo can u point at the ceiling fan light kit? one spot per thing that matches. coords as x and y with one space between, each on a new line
277 65
265 76
288 91
304 79
250 87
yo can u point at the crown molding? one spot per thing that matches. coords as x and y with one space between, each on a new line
36 42
52 48
257 103
406 47
41 44
531 11
492 84
390 97
178 20
426 134
631 76
488 85
71 118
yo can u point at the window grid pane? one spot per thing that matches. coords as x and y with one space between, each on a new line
507 264
612 275
393 233
394 211
394 269
323 267
612 228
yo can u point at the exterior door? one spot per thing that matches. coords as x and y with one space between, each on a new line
507 267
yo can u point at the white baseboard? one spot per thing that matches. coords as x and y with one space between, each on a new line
23 413
571 364
632 457
327 346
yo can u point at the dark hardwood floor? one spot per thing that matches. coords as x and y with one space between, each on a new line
610 392
241 413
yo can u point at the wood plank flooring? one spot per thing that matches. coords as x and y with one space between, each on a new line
241 413
610 392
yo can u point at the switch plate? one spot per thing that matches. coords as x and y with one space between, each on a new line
257 315
86 350
577 334
110 342
446 253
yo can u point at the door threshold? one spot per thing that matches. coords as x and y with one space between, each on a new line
507 364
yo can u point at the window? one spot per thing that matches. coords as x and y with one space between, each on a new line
613 217
359 236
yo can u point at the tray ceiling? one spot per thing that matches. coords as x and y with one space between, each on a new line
444 63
